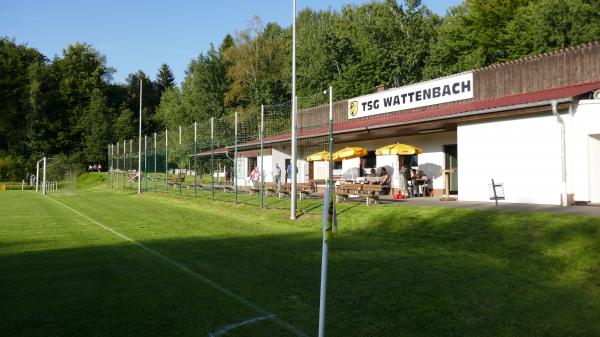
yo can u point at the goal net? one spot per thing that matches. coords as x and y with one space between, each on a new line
56 175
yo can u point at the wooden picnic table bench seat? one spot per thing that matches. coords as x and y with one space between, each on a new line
371 192
305 189
270 187
343 191
226 187
173 181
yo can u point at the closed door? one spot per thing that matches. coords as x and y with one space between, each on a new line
451 153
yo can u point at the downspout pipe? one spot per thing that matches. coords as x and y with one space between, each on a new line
563 156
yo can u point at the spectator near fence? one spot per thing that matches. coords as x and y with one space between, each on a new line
277 175
254 176
227 173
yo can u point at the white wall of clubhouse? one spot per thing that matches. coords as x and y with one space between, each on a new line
585 152
523 154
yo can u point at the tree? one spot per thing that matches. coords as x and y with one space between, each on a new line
171 111
165 78
205 85
94 128
256 66
124 126
150 100
15 63
548 25
81 73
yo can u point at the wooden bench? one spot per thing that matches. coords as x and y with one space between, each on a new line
226 187
371 193
132 176
173 182
284 189
343 191
305 189
270 187
368 191
199 185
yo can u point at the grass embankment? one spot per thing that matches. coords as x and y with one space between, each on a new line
394 270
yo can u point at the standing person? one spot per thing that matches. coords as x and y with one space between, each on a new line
288 172
404 172
277 175
227 173
412 183
99 167
254 176
424 187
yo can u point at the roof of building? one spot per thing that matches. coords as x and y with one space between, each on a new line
472 107
514 102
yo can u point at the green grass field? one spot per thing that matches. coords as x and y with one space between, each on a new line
110 263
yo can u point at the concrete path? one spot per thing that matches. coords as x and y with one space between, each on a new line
593 211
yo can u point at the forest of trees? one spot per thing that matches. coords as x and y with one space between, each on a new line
68 106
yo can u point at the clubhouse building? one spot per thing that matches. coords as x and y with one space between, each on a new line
532 125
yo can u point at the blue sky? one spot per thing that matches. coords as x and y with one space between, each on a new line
144 34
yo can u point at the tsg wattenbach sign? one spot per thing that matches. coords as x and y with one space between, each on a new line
444 90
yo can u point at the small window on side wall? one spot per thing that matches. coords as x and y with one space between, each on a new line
412 161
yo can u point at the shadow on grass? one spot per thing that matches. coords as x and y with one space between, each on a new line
393 272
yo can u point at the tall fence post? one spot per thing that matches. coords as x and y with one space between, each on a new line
155 153
167 160
293 192
118 153
262 167
328 219
235 161
212 157
195 157
44 178
179 155
145 163
108 168
131 162
124 160
112 166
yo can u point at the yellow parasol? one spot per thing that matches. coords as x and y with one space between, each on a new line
319 156
398 149
349 153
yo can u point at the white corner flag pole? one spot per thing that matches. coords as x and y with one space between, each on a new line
140 146
326 215
294 108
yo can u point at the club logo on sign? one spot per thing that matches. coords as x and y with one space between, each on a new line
353 108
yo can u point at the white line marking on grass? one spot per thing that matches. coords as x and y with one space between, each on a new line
228 327
198 276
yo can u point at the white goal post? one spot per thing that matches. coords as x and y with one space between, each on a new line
52 184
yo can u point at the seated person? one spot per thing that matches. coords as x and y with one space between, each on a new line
384 177
413 174
371 177
424 186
